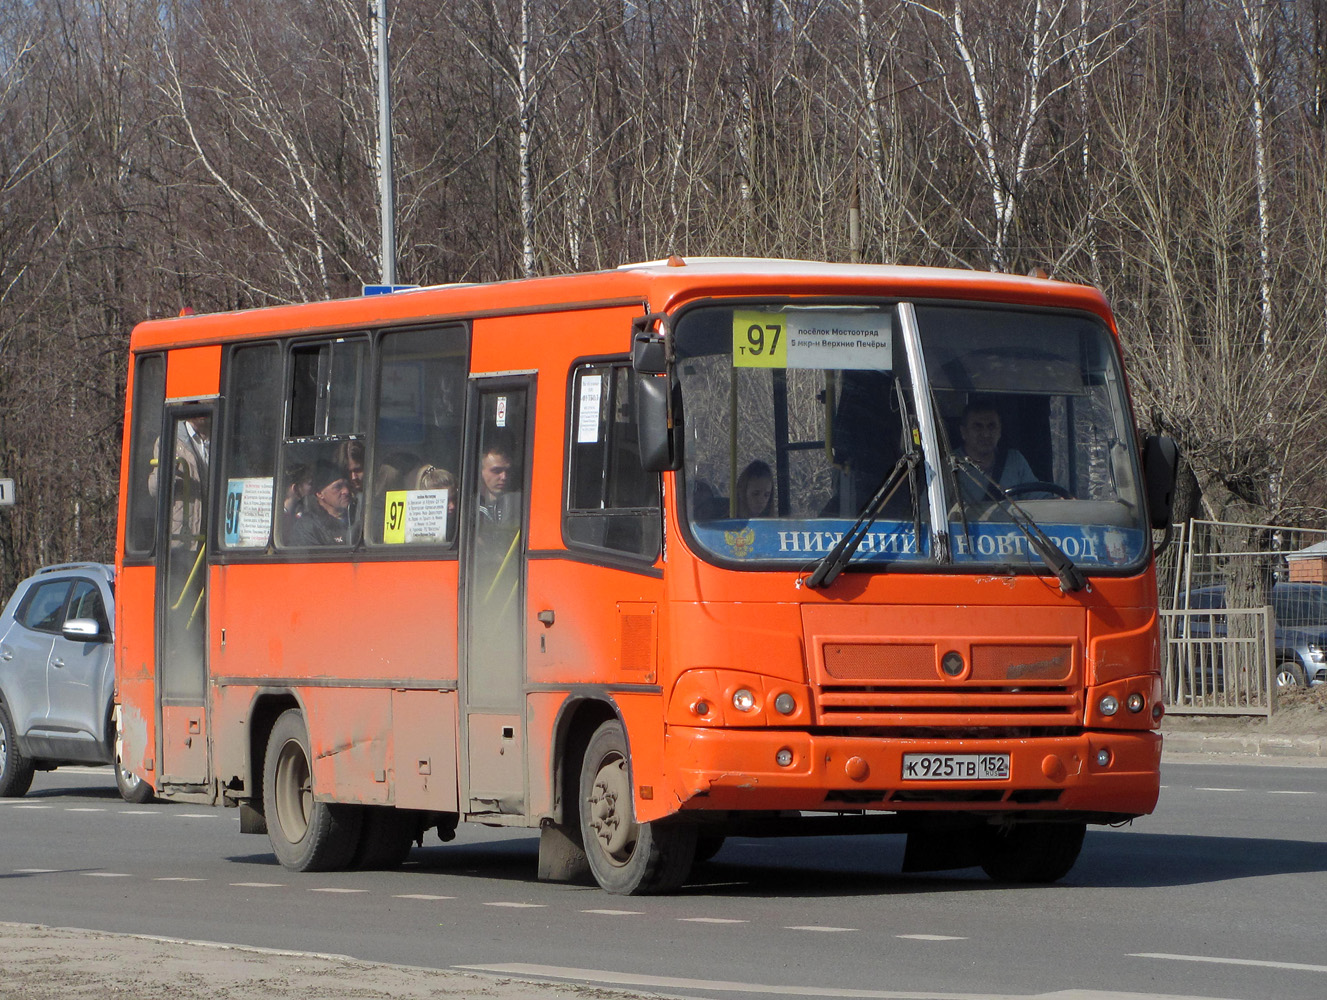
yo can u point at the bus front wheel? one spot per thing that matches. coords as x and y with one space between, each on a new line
626 857
306 835
1032 852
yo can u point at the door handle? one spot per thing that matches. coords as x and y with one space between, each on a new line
7 655
57 662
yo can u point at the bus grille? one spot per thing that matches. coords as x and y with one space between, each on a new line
904 685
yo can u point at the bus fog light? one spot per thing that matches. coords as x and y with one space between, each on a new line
1103 758
743 700
1134 703
785 704
1109 705
784 757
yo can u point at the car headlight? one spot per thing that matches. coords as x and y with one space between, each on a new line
1317 653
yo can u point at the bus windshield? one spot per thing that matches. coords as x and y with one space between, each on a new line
987 423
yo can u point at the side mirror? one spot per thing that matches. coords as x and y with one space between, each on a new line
1161 462
654 424
649 354
83 630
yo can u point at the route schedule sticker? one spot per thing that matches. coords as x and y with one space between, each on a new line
812 338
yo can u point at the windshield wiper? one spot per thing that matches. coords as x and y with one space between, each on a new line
828 569
1070 576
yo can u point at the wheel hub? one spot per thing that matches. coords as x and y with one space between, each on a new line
610 810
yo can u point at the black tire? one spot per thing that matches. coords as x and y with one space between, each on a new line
626 857
1290 675
708 844
1031 852
385 838
306 835
16 770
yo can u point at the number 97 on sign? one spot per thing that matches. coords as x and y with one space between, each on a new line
759 340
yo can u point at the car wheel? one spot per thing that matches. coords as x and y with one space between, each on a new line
132 788
1290 675
15 769
626 857
306 835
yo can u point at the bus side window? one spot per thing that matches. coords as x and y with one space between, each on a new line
612 502
149 400
250 445
412 487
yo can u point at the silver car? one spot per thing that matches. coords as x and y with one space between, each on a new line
57 677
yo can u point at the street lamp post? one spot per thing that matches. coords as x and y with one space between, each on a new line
387 193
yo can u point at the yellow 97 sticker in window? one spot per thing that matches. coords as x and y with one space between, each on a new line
760 340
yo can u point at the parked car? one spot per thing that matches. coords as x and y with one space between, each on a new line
1301 629
57 677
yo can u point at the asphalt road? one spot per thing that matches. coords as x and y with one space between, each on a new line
1218 894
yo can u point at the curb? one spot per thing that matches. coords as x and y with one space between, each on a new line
1245 745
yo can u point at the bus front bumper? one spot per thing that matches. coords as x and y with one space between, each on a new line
1111 773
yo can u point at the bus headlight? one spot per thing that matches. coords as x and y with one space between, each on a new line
1134 703
1108 705
785 704
744 700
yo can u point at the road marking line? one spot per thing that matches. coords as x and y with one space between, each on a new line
259 885
32 807
1220 789
929 937
520 906
36 871
616 913
337 889
178 878
140 812
420 895
711 920
83 809
109 874
1287 791
1299 966
195 815
823 930
543 973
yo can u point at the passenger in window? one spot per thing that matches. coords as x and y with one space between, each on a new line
980 430
299 482
349 455
498 503
326 521
755 490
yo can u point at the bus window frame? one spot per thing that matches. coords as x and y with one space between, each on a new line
599 555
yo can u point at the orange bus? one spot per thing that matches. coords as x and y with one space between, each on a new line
646 558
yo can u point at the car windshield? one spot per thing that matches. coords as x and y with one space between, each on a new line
794 416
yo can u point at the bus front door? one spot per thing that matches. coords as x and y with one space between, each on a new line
493 601
181 473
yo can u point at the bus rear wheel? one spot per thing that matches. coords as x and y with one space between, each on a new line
306 835
626 857
1032 852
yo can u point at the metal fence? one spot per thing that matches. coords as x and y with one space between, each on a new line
1245 615
1218 664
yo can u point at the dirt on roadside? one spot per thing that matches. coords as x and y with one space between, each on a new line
45 963
1299 712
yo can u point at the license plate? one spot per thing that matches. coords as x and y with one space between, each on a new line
955 766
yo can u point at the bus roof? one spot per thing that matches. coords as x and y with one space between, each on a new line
654 285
